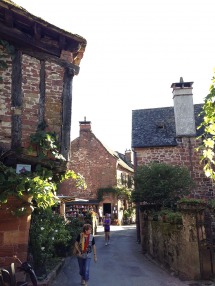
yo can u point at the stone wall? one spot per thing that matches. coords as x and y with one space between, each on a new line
30 94
5 102
14 231
179 247
184 154
31 108
92 160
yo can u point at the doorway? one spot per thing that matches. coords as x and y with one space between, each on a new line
106 208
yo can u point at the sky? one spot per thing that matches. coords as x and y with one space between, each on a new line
135 50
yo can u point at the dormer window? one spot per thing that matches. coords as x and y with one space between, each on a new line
160 125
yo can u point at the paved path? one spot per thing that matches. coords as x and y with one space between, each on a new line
119 264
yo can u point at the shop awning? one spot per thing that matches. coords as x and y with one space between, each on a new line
82 202
69 199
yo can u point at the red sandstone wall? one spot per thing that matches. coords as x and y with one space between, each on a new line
5 102
31 93
53 103
91 159
184 154
14 231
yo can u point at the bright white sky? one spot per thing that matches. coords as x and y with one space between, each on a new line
135 50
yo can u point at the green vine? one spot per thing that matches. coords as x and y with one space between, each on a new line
41 184
44 143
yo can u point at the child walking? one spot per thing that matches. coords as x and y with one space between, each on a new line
85 244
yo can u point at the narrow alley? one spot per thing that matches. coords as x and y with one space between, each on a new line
120 264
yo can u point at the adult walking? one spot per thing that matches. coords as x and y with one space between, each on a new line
85 245
106 224
122 264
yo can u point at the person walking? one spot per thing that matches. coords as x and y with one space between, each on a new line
106 224
85 245
100 216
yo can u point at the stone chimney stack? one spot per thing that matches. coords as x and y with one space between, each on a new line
183 108
128 156
85 125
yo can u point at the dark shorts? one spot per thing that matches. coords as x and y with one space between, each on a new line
107 229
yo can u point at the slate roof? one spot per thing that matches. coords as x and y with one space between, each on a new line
156 127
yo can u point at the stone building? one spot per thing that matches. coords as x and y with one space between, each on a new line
102 169
171 135
40 61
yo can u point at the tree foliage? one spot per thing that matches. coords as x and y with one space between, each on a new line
208 124
160 183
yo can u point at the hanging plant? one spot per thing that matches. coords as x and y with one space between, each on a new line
45 144
41 184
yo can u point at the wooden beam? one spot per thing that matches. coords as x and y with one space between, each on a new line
61 42
9 18
21 39
67 112
37 32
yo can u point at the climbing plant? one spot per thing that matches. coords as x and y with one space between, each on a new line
208 126
44 143
40 184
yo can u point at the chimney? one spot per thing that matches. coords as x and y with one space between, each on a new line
183 108
128 156
85 125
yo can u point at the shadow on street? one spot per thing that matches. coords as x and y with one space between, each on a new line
119 264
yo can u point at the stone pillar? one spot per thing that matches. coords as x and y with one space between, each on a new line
193 225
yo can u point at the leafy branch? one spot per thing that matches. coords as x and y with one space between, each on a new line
42 183
45 142
208 125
